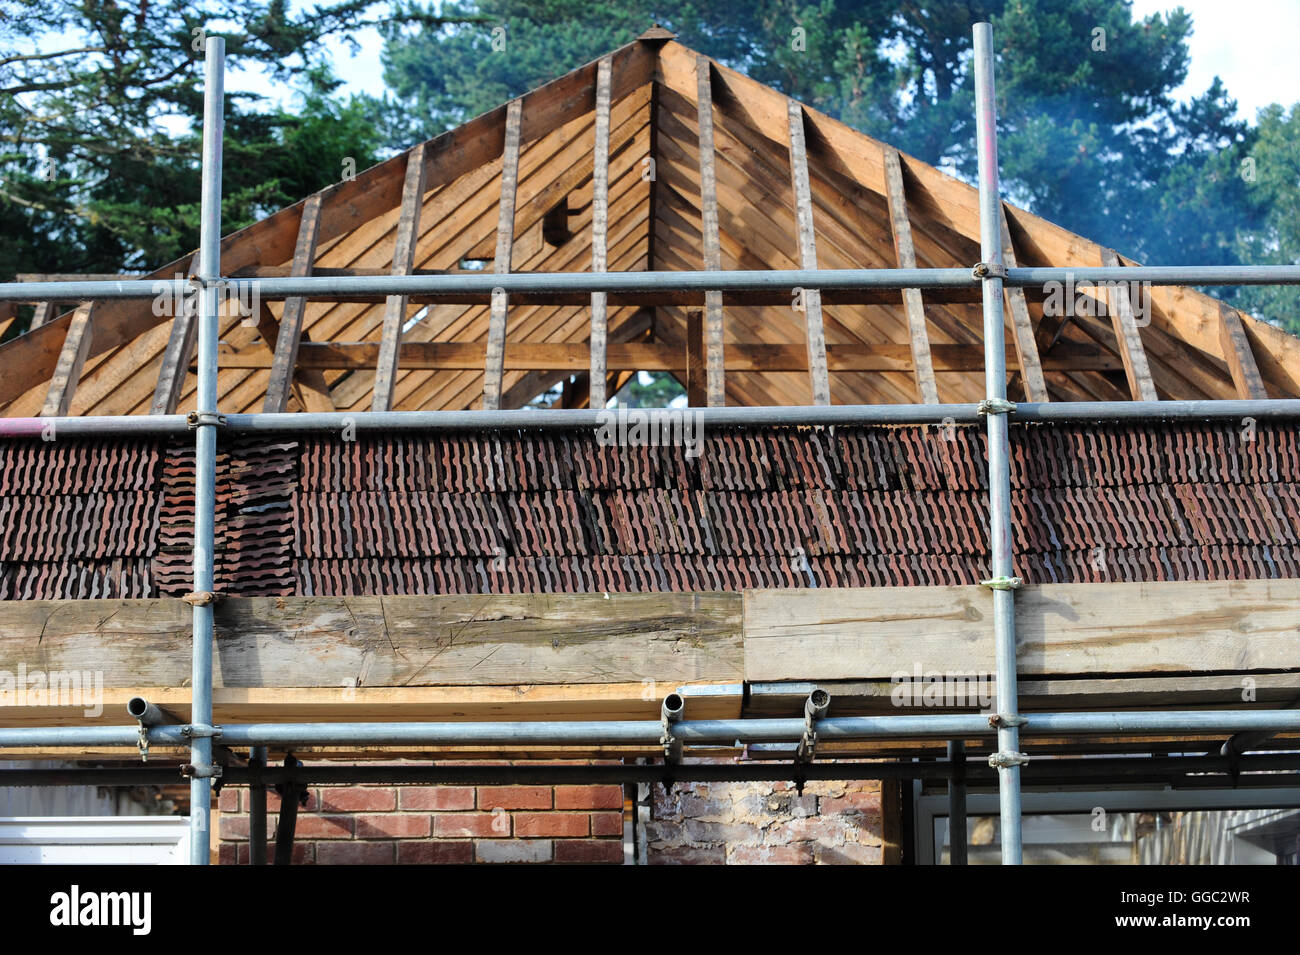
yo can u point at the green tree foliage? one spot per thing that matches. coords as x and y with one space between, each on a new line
1091 136
1272 171
99 110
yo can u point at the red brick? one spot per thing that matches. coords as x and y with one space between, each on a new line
437 798
551 824
233 827
229 800
463 825
687 855
590 851
588 797
771 855
392 825
226 854
514 797
355 853
606 823
312 826
273 801
849 802
357 799
435 853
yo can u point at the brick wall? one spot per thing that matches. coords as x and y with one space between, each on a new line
836 823
832 823
386 825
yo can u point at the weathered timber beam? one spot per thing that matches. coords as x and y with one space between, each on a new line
715 373
388 641
658 356
599 233
1197 627
291 319
407 233
807 243
493 365
67 374
1136 368
1241 360
1022 327
900 225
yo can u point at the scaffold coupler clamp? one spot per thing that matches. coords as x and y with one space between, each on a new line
142 740
1002 583
201 598
814 709
990 406
1001 721
193 771
988 270
201 419
1007 760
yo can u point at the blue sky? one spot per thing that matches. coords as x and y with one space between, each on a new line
1251 44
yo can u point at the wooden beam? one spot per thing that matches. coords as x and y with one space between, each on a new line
392 641
599 232
8 315
1131 352
176 358
44 312
291 318
309 384
1196 627
807 241
67 374
1241 360
1022 328
496 343
696 371
573 357
922 367
715 372
407 234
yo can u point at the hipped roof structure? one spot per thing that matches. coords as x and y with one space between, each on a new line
706 169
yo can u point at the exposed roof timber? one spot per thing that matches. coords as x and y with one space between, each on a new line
665 102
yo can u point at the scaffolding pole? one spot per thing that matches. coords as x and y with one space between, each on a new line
201 768
1008 757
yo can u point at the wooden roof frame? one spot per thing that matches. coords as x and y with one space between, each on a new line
658 158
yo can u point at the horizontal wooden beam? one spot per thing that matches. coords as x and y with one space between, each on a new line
1198 627
658 356
387 641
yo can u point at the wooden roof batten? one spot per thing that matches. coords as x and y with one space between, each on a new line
652 156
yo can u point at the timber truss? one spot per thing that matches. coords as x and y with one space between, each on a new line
653 158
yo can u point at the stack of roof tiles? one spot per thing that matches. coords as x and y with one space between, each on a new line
557 511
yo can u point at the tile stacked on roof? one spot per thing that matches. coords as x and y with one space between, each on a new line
557 511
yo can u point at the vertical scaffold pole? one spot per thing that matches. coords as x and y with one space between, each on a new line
1008 757
205 459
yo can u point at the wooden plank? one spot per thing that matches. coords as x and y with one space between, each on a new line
464 640
599 232
715 373
496 343
696 371
291 318
1241 360
900 225
1061 629
807 241
1131 352
1022 328
8 315
67 374
176 358
658 356
407 234
308 384
44 312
